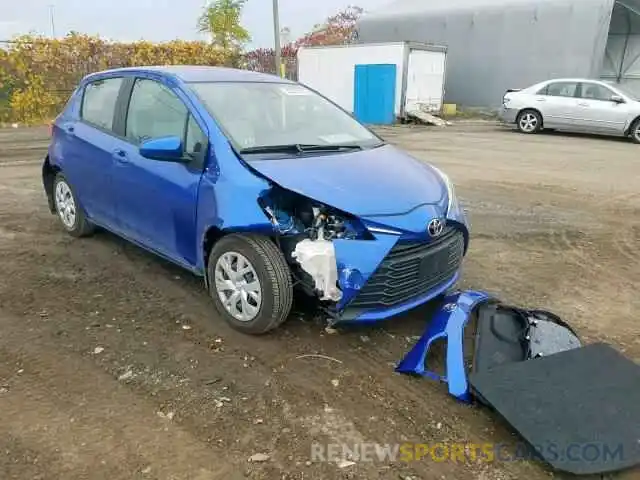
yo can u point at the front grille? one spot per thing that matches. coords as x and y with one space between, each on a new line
411 269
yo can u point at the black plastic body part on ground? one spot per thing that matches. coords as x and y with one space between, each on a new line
578 409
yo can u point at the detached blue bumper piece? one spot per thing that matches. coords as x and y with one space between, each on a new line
447 323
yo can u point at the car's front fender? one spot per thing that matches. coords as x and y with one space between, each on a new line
230 206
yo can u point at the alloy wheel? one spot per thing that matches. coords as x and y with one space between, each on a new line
529 122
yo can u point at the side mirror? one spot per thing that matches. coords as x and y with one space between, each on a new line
167 149
617 99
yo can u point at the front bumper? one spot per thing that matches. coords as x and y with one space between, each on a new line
408 274
383 313
508 115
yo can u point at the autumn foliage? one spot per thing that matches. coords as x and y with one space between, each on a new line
339 29
38 74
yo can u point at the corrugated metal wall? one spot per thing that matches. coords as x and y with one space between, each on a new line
498 44
622 56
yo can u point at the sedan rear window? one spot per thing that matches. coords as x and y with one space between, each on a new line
560 89
99 102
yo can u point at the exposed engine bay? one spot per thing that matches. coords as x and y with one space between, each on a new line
306 231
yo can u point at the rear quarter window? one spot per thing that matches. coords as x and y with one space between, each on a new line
99 102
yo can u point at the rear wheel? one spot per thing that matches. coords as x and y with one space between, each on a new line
250 283
70 214
529 121
634 132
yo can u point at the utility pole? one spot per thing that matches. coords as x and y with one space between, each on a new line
276 35
53 25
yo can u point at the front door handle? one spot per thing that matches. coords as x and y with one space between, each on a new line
583 104
120 155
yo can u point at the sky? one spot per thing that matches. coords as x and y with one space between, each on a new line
158 20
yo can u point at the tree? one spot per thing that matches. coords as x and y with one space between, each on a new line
263 60
339 29
221 19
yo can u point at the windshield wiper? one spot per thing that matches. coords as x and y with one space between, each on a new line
298 148
329 148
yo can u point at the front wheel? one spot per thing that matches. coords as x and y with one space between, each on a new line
634 131
250 283
529 121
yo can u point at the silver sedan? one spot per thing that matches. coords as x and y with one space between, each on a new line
577 105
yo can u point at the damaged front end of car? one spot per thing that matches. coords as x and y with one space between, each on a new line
369 267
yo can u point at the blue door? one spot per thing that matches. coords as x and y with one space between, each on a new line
156 200
375 94
85 144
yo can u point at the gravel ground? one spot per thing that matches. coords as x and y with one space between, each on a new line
114 365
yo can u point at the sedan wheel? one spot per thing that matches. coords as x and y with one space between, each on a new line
634 133
529 121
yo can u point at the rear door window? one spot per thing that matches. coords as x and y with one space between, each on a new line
99 102
560 89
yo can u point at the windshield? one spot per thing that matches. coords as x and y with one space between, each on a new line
625 90
257 115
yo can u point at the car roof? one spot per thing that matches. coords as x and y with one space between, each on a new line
575 80
198 73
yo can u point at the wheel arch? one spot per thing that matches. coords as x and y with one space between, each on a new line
631 124
214 234
49 173
531 109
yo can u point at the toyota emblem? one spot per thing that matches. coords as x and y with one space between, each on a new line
435 227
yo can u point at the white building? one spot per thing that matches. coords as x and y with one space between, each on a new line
493 45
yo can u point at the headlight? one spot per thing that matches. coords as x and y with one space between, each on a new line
452 205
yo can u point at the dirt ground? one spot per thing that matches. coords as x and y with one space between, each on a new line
113 364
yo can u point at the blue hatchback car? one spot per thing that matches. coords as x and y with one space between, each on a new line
258 185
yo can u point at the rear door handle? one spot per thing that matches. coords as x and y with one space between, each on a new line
541 99
70 129
583 104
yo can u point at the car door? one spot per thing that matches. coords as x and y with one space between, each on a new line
557 102
598 113
156 200
89 140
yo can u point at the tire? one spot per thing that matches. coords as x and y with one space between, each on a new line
529 122
69 212
634 131
263 262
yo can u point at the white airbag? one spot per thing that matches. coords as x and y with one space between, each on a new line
318 259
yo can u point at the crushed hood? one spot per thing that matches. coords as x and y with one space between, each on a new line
376 182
